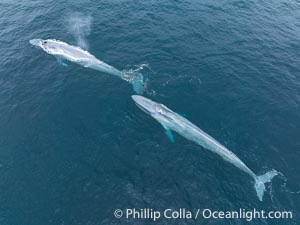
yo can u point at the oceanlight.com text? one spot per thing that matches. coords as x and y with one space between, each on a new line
201 214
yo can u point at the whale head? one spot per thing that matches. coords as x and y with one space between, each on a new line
40 43
144 104
150 107
47 45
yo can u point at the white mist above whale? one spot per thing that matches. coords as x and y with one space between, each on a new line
172 121
63 51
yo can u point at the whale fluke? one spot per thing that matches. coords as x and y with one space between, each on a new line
260 181
138 86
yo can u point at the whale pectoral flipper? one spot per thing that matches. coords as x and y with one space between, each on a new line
169 133
61 61
260 183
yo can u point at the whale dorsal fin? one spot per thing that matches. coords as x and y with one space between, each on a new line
169 133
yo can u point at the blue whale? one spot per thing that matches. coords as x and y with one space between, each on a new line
172 121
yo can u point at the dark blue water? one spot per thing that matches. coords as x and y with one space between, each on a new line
74 147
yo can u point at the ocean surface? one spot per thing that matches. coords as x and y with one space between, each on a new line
74 147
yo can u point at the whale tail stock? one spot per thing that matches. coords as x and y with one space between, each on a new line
260 181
